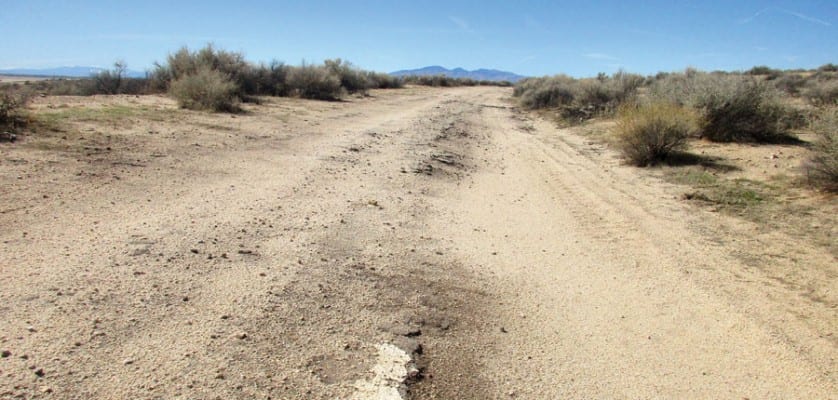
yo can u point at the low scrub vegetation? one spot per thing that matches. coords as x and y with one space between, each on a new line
822 167
205 89
229 77
12 113
330 81
578 99
649 133
447 81
733 107
315 82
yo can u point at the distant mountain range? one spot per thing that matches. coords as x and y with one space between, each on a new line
65 72
478 74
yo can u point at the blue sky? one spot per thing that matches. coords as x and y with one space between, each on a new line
534 38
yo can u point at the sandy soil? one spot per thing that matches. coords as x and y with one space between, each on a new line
152 252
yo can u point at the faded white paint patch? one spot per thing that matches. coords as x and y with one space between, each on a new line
391 370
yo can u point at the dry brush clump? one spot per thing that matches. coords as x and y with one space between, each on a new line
733 107
330 81
205 89
578 99
13 115
822 167
448 81
315 82
649 133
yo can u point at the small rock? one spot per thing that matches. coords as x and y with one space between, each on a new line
127 361
5 353
194 251
503 330
241 335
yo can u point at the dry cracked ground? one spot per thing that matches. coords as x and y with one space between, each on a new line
418 243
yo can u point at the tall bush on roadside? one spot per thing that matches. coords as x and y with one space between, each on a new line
315 82
13 114
352 79
733 108
205 89
748 112
649 133
822 166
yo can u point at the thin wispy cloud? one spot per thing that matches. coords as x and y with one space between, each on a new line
805 17
795 14
600 56
460 23
753 17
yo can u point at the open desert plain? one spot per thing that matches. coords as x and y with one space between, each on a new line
422 243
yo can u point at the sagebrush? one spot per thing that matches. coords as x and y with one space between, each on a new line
13 110
822 167
205 89
649 133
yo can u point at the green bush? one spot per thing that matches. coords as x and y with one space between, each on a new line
822 167
205 89
649 133
315 82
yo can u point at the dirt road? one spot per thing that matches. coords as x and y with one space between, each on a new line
303 249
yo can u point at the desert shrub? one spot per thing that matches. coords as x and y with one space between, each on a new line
546 92
185 62
760 70
747 112
13 114
110 81
790 83
733 108
266 80
352 79
205 89
380 80
315 82
649 133
579 99
447 81
828 68
822 166
821 92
